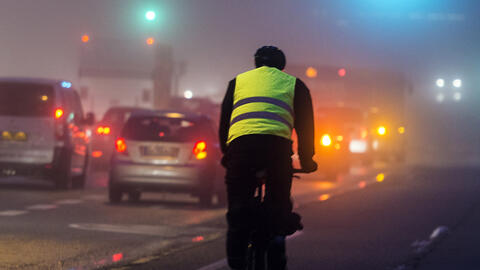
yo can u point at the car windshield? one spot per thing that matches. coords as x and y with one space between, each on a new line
116 116
26 99
148 128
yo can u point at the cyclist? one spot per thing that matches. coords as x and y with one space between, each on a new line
260 109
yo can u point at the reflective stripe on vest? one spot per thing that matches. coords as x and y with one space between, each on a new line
263 104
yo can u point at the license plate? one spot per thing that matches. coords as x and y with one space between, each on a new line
160 151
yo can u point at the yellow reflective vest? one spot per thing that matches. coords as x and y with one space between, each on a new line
263 104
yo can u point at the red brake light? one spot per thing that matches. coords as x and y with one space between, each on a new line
58 113
121 145
200 150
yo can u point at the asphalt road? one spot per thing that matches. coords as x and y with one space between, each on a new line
416 218
41 228
380 218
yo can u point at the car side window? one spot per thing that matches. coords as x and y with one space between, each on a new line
77 106
74 107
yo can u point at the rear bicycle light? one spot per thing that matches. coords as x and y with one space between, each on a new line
121 146
200 150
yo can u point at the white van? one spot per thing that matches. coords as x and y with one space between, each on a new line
43 131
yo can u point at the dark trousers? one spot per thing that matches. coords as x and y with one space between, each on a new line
245 157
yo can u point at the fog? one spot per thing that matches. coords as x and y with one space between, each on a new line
216 40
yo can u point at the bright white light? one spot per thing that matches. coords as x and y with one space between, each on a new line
150 15
457 83
358 146
188 94
440 97
457 96
440 83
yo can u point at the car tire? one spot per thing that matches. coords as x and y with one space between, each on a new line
115 194
134 196
63 172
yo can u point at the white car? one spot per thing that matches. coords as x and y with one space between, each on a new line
42 131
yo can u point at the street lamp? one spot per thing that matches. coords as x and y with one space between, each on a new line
150 15
440 83
188 94
457 83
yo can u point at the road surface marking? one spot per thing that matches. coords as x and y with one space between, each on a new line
69 201
95 197
42 207
157 230
11 213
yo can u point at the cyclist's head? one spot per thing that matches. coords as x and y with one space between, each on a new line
270 56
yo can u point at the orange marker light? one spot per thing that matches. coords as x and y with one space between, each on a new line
85 38
311 72
380 177
150 41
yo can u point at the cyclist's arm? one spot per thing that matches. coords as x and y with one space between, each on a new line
225 115
304 125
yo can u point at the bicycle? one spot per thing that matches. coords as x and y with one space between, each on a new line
263 246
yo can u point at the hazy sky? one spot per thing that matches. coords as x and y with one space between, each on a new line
217 38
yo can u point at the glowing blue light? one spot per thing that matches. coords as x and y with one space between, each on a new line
66 84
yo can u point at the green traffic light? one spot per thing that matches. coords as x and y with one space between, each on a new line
150 15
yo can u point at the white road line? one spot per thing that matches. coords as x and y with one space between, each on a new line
95 197
42 207
11 213
154 230
69 201
223 262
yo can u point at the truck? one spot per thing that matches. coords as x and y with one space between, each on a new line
359 115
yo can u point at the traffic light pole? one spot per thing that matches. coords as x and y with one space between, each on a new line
162 76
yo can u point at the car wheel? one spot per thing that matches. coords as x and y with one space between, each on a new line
134 196
63 173
115 194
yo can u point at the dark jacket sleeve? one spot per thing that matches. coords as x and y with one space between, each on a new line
304 123
225 115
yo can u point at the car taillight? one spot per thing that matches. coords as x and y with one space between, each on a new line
59 124
121 145
103 130
58 113
200 150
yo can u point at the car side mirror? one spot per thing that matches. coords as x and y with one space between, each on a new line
89 119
